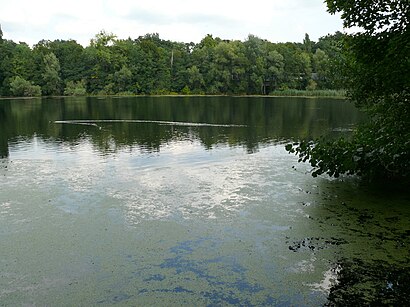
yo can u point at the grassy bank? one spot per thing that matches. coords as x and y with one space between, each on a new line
314 93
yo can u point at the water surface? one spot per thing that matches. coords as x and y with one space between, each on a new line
186 201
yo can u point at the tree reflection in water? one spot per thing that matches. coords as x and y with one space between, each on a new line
374 283
136 121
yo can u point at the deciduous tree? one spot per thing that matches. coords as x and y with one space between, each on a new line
379 80
51 77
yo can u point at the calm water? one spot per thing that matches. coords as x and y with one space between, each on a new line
187 201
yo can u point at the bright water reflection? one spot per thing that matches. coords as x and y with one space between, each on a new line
150 214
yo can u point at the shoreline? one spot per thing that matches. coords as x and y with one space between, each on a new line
302 95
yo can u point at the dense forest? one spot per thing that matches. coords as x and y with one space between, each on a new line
150 65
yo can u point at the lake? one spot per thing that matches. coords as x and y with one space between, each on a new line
188 201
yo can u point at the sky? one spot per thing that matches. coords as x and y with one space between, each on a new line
177 20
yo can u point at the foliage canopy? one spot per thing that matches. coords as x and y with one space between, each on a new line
150 65
23 88
378 79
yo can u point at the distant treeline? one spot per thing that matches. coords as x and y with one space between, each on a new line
150 65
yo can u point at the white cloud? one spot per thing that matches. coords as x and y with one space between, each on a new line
179 20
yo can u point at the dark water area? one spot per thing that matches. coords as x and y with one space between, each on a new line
190 201
263 120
